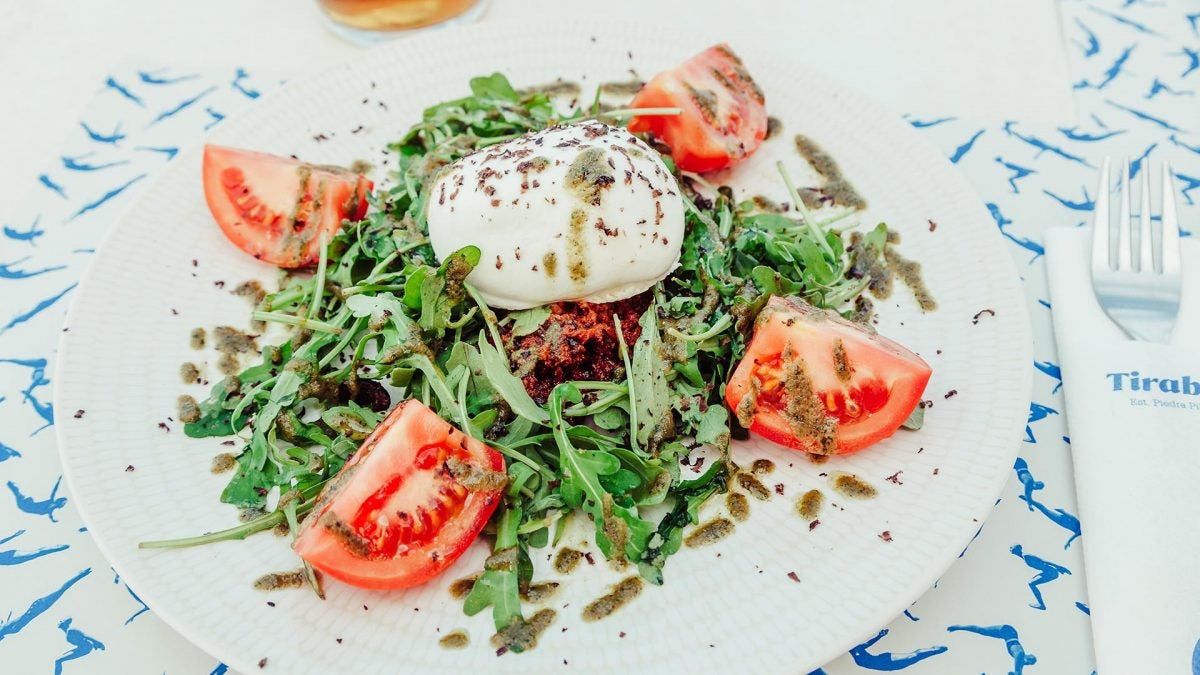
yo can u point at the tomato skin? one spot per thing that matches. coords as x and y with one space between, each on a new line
724 118
858 398
407 515
277 209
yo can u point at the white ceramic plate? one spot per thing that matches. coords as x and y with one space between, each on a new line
726 607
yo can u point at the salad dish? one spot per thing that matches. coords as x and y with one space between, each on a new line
528 369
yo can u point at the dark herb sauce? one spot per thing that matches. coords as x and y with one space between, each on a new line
459 589
738 506
852 486
567 560
521 634
223 462
625 590
540 591
754 486
280 580
627 88
837 189
189 373
187 409
250 290
709 533
762 466
455 640
909 272
809 504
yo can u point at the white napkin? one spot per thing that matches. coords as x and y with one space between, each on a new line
1136 451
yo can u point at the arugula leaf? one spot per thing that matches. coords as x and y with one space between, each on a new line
436 381
352 420
916 419
611 418
620 481
877 237
249 485
215 417
442 291
294 430
508 386
620 532
413 286
379 307
648 380
499 586
527 321
654 482
493 87
668 536
713 428
771 282
216 411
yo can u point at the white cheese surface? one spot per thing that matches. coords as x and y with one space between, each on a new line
576 212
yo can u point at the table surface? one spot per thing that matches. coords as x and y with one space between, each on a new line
1118 77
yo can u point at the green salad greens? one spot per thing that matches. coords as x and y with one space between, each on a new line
380 310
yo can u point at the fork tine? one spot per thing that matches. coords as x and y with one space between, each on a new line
1101 258
1124 259
1145 245
1170 224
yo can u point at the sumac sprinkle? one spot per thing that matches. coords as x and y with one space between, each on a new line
980 313
79 414
794 577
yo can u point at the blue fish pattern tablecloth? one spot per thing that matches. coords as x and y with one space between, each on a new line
1015 603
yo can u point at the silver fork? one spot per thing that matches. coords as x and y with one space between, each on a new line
1136 279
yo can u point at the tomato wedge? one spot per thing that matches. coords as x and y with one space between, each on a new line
406 505
276 208
724 117
816 382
